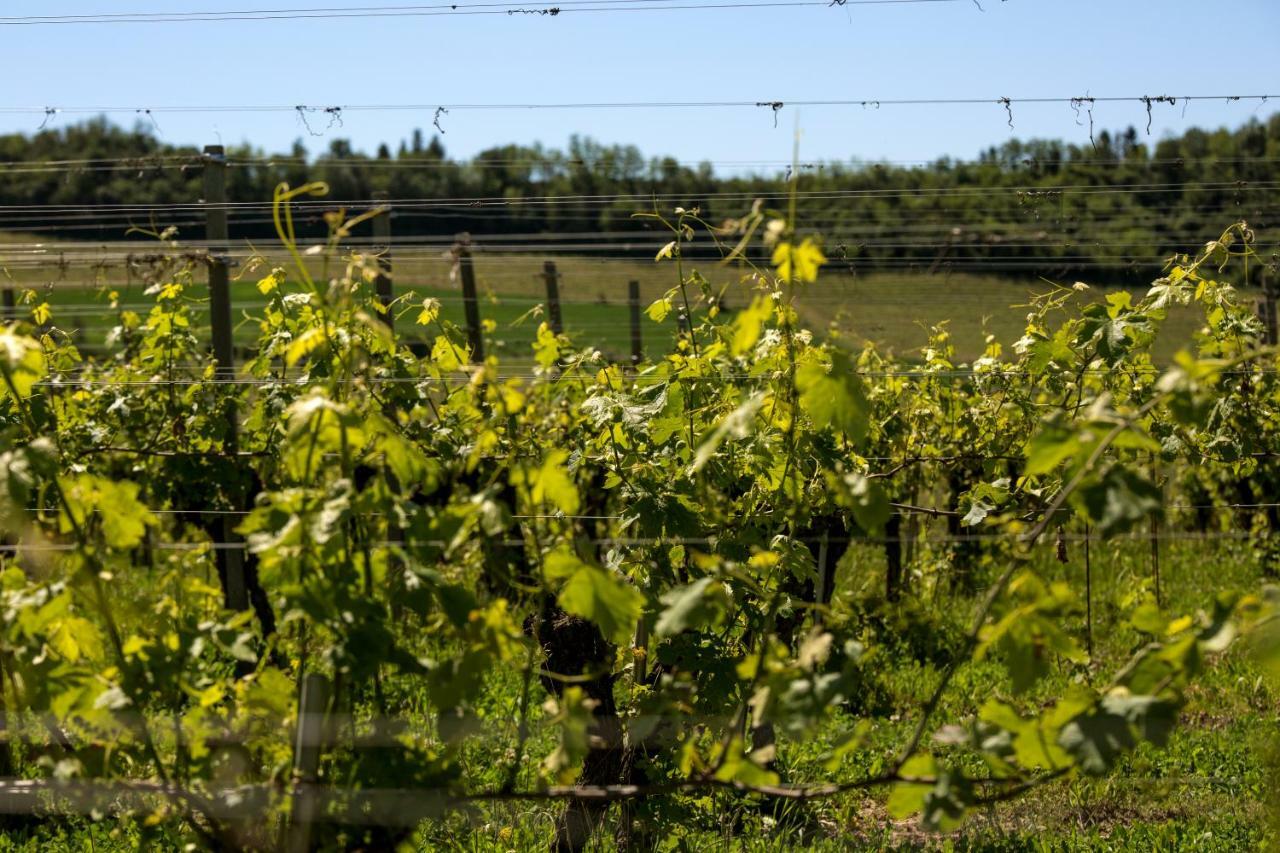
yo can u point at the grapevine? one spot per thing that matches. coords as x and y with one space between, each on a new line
654 561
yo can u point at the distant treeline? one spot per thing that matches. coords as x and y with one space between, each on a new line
1105 209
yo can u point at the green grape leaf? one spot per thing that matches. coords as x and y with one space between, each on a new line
552 484
739 766
945 803
865 498
599 596
1118 499
703 602
22 363
659 309
736 424
1048 448
1095 739
835 398
1148 619
748 324
1152 716
546 346
114 504
798 264
446 354
305 344
907 798
571 715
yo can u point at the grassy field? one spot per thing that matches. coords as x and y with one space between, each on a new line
894 311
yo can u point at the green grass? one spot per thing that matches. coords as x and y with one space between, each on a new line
893 310
1209 790
1212 789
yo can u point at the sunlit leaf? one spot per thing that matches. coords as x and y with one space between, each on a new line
835 397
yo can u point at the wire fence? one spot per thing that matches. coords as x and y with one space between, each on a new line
1147 102
440 10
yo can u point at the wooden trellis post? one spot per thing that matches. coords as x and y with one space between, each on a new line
230 556
216 233
1270 286
313 707
637 335
552 279
382 246
470 304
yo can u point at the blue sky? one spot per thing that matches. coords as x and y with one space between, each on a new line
1019 48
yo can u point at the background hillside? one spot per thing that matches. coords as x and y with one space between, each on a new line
1106 211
